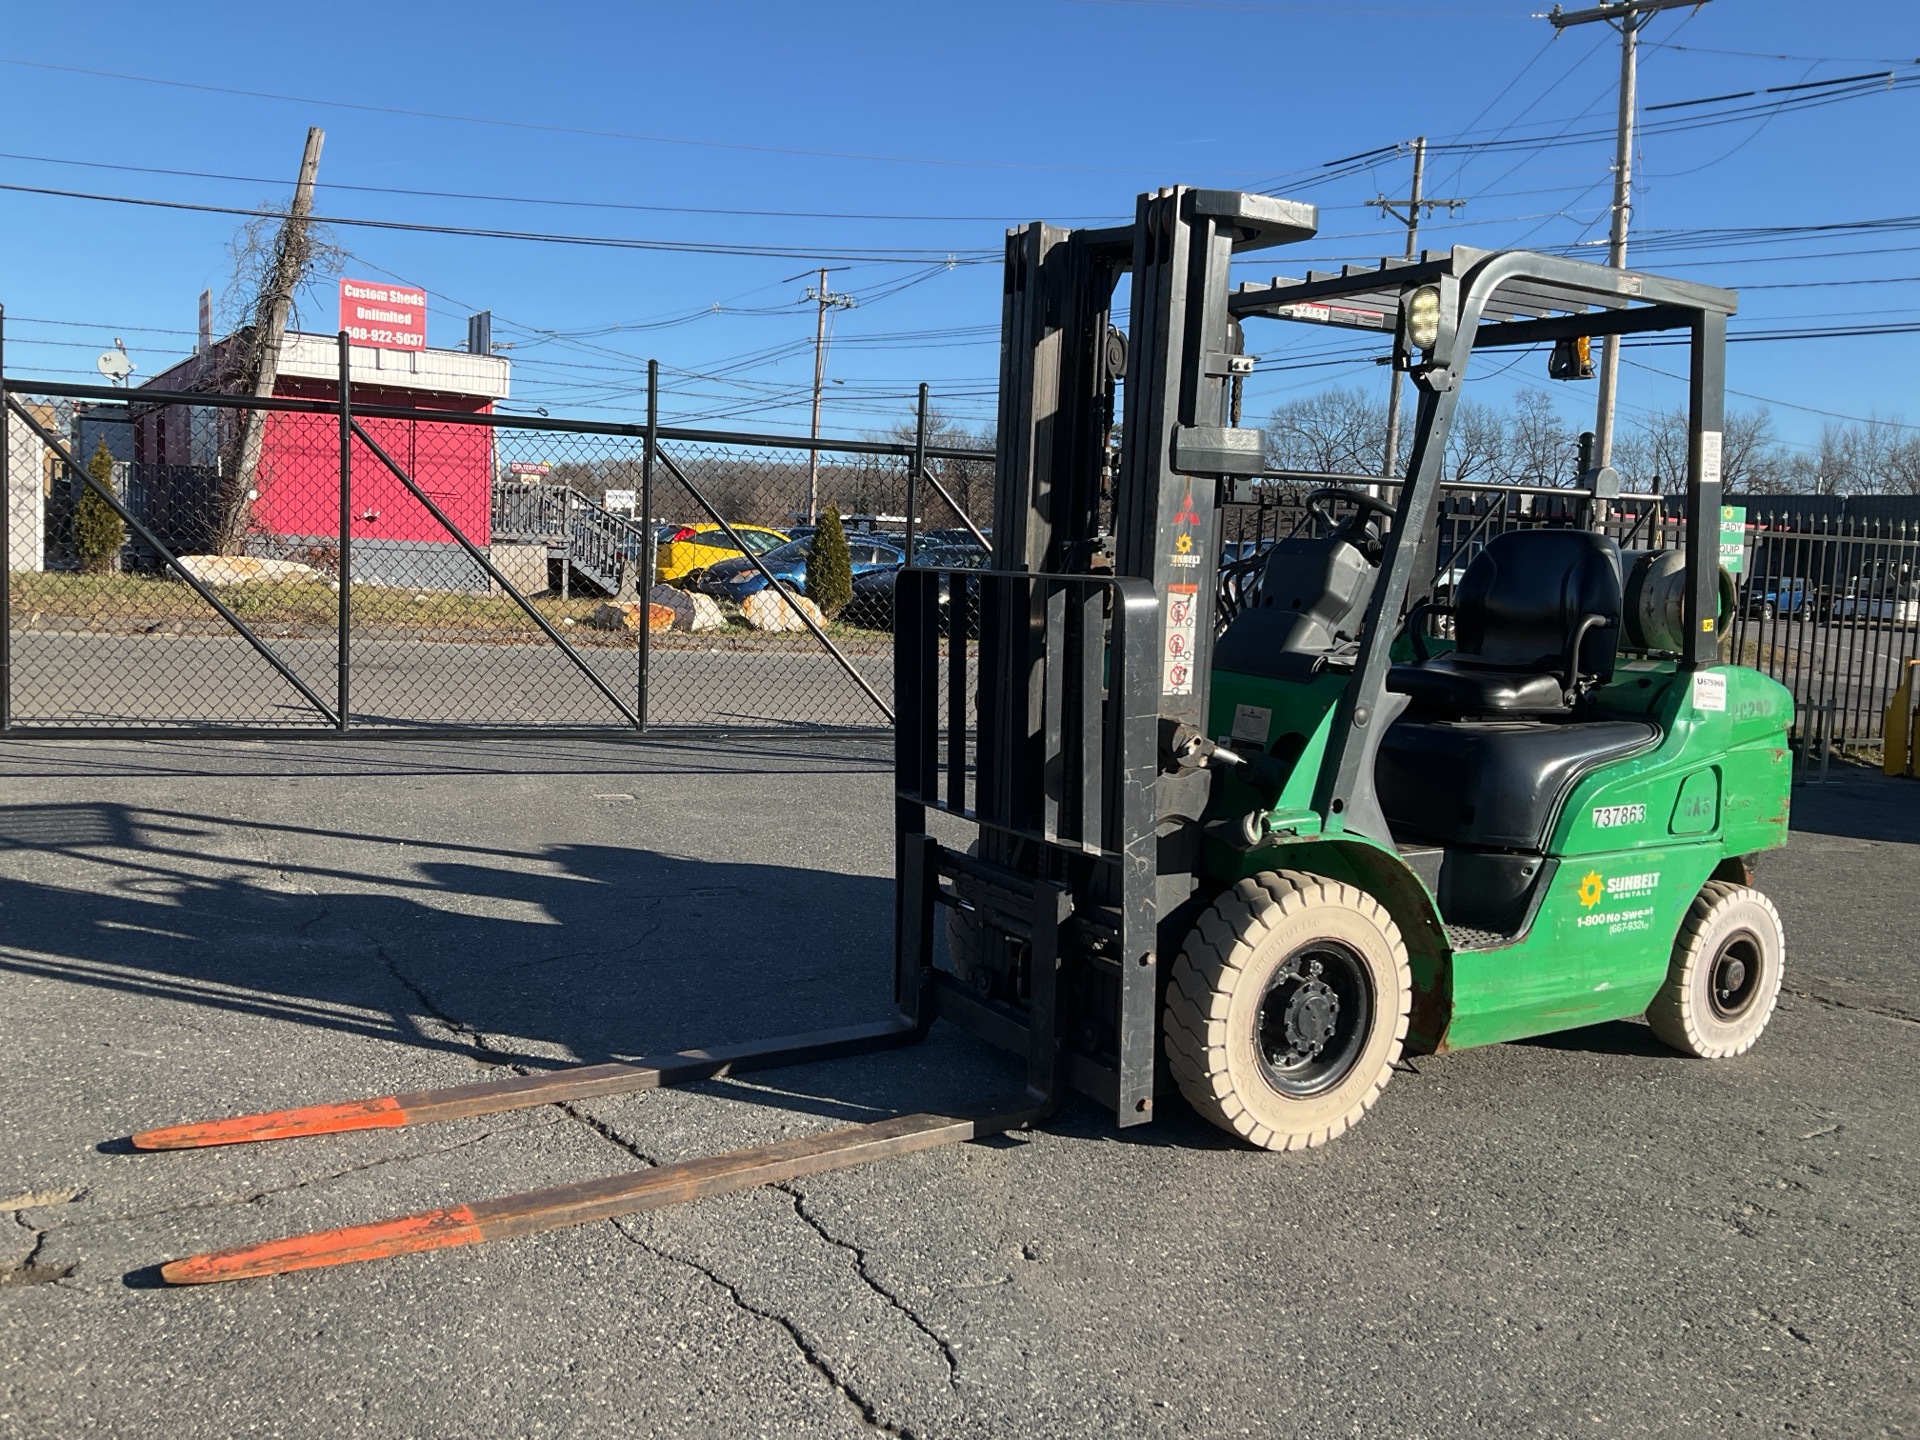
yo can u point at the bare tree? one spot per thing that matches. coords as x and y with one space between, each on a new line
1476 445
1540 445
1336 432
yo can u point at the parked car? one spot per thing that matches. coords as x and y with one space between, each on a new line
738 578
1766 598
1886 592
872 603
1893 605
691 549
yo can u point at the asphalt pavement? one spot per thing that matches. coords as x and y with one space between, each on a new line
1584 1235
92 678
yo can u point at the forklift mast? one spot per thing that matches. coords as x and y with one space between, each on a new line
1066 504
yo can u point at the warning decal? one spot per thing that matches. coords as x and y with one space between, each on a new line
1183 605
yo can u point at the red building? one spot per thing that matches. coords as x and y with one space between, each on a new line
295 510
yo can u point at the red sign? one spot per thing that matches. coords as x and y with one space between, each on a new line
387 317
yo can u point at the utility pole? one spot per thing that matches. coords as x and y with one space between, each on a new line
1415 204
1627 16
826 300
292 249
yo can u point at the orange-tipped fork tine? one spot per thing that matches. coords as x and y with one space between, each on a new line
488 1097
590 1200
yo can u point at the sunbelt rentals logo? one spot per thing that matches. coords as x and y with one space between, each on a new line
1594 887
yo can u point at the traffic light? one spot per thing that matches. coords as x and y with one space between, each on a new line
1572 359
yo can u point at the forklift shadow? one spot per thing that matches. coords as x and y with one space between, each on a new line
1615 1037
536 956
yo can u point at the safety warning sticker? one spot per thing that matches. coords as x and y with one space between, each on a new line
1252 723
1183 604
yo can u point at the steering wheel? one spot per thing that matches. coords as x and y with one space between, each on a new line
1363 531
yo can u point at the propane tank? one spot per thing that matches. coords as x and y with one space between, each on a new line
1656 599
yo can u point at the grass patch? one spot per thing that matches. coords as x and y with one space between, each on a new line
126 604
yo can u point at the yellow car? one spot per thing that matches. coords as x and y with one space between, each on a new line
692 548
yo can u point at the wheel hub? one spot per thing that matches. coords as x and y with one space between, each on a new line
1313 1020
1735 977
1310 1018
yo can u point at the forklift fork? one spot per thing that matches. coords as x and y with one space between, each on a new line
584 1201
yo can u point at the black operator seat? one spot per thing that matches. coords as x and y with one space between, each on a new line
1536 617
1491 748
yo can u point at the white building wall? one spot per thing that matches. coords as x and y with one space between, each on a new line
26 498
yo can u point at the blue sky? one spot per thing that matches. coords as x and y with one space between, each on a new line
946 123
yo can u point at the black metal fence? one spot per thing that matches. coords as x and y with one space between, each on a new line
1827 602
188 560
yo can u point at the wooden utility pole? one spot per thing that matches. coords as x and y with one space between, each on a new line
826 300
1627 17
1415 204
292 249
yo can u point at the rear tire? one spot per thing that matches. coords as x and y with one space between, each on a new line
1288 1008
1724 978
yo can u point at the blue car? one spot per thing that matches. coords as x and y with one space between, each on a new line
1769 598
736 579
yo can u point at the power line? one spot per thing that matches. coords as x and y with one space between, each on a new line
552 201
1807 59
613 242
1788 404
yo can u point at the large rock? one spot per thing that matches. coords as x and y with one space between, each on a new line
219 570
707 614
625 615
679 602
766 610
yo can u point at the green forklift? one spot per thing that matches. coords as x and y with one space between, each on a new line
1396 807
1253 838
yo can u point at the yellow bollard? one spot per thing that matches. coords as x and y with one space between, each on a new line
1897 750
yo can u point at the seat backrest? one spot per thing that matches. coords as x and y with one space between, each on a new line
1521 600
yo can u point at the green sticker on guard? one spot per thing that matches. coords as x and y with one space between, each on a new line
1733 538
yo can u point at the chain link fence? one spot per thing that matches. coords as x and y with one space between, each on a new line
190 561
185 561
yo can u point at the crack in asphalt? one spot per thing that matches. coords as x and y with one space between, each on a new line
604 952
869 1413
1834 1004
29 1271
860 1268
607 1133
866 1409
431 1006
485 1046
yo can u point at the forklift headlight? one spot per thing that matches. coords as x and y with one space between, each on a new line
1422 309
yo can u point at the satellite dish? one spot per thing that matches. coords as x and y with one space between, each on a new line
114 365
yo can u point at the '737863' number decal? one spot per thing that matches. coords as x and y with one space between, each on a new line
1610 817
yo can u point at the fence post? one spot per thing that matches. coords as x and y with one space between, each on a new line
6 541
646 543
913 472
345 566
